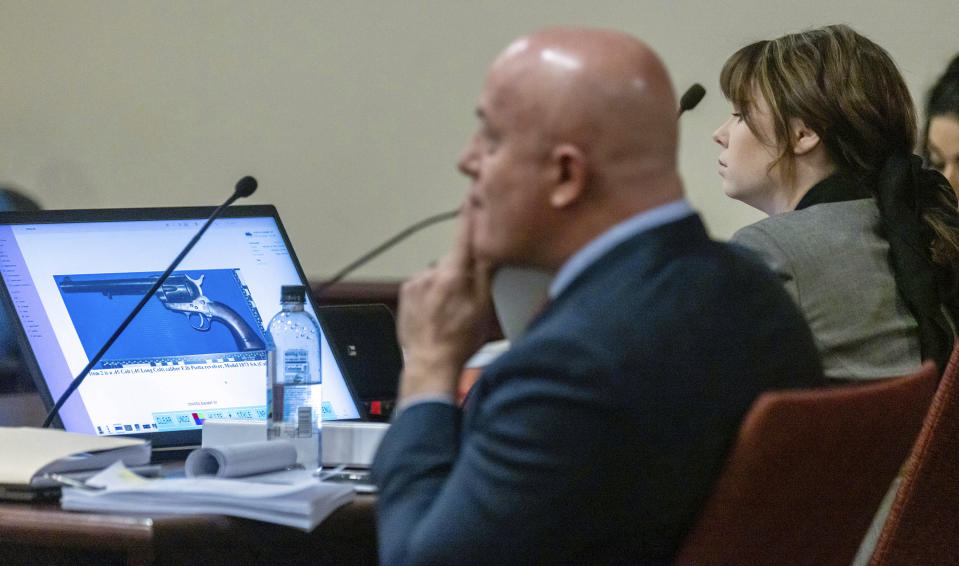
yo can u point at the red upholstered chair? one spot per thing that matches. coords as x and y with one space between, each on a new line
807 473
922 524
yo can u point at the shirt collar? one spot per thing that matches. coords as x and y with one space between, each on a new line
835 188
591 252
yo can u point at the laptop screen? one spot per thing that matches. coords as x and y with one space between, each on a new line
196 351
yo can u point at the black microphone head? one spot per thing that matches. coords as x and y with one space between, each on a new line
691 97
245 186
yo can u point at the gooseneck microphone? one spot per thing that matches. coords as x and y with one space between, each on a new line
244 188
691 98
688 101
402 235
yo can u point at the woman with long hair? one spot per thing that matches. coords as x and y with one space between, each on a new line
864 238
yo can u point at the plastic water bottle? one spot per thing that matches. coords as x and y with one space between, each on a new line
294 378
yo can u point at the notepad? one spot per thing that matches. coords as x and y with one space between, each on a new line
29 453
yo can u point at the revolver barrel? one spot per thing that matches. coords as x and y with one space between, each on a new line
108 287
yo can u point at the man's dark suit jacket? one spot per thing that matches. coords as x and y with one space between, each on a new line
598 435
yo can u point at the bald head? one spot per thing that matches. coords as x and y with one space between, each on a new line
578 133
603 90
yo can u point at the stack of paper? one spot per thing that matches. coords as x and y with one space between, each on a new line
303 503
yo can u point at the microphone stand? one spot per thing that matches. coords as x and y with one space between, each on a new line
244 188
383 247
688 101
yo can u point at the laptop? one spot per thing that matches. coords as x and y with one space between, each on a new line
72 276
363 338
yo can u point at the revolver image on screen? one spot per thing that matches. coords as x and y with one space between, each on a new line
179 293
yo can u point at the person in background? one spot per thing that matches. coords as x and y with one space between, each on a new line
941 142
598 435
864 239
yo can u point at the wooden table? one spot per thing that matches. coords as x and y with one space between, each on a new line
42 533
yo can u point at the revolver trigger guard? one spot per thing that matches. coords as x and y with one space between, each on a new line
203 321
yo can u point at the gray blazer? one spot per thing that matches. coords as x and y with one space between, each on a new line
833 262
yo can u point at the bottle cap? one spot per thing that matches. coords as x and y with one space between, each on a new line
293 294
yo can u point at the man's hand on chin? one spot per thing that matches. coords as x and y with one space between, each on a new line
443 312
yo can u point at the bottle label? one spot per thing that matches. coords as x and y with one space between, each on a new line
296 366
270 380
304 421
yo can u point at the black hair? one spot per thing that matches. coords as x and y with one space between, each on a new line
942 99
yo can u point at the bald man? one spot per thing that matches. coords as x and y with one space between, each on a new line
597 437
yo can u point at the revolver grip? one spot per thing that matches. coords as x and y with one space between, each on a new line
246 338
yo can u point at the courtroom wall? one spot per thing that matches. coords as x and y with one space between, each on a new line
350 114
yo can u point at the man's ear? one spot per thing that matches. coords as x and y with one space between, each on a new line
571 173
805 139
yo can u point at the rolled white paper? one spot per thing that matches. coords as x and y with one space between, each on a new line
244 459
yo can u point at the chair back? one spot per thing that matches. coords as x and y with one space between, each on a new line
807 472
921 527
